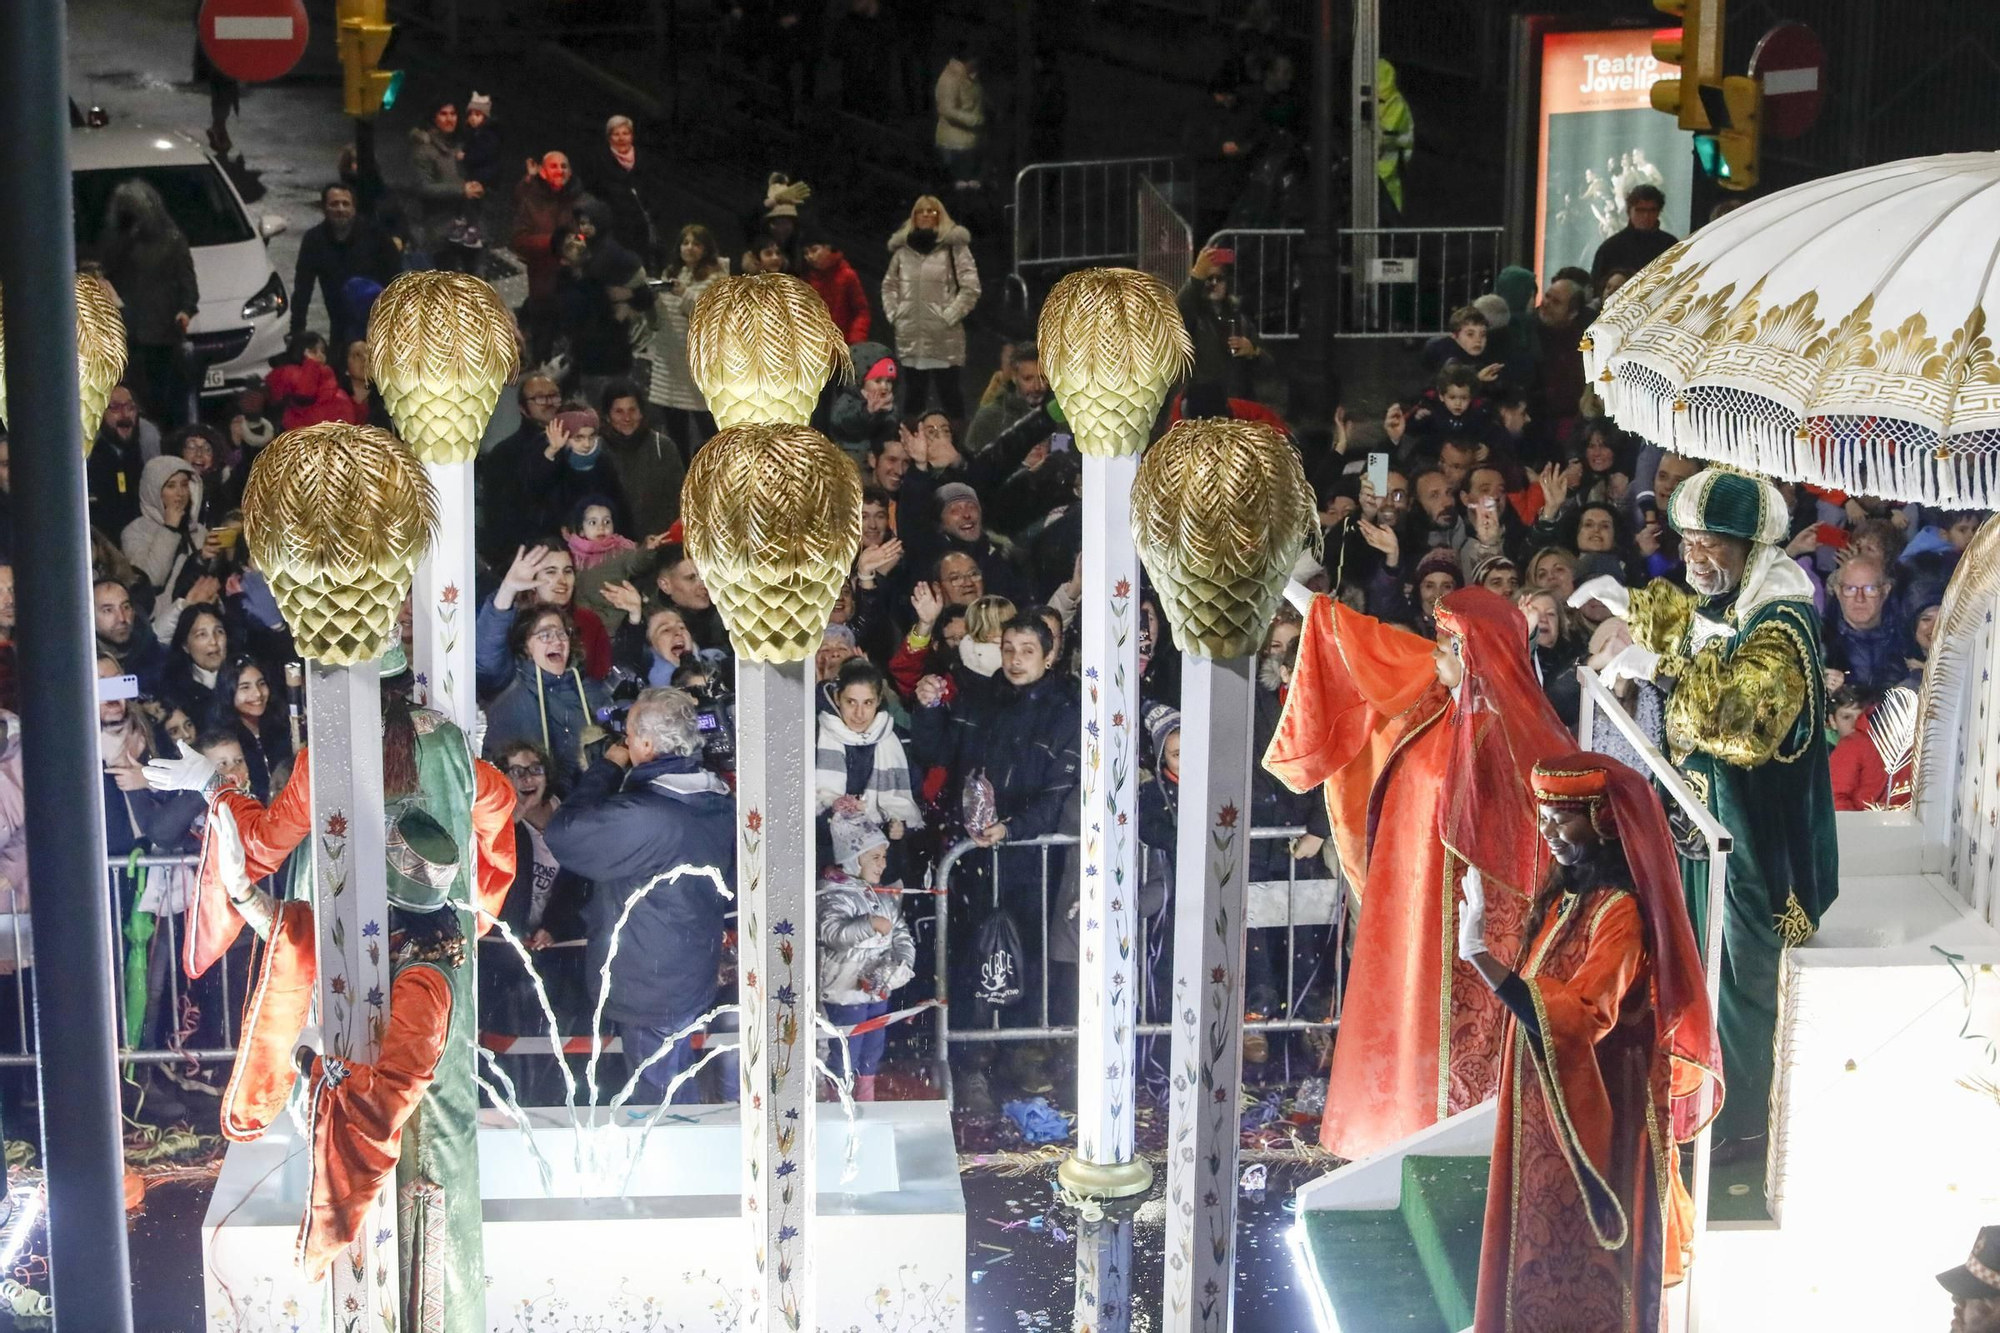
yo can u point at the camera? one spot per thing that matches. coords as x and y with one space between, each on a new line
715 717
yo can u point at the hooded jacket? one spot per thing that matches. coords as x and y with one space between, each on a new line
846 300
961 108
437 190
928 295
159 551
620 830
552 711
857 963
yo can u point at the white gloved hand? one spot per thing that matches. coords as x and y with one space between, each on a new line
1635 663
1607 592
193 771
1702 630
1472 916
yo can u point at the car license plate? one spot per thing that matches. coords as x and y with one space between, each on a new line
211 378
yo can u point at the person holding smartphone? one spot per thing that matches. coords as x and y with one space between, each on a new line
1225 345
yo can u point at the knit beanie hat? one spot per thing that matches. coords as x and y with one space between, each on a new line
480 102
854 836
581 418
1494 307
1162 721
952 492
1443 560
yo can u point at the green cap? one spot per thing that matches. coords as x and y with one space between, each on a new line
423 862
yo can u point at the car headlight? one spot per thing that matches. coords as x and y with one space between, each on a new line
269 300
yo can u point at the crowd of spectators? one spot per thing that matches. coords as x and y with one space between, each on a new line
948 677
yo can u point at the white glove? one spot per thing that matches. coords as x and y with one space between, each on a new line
1606 591
193 771
1472 916
1703 629
1634 663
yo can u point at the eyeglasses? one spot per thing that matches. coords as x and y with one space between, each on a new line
1861 589
545 398
524 770
553 634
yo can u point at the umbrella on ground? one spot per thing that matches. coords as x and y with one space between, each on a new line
1835 333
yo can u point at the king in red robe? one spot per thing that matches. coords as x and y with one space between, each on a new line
1424 749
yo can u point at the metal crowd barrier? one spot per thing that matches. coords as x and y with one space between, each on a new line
1069 214
164 954
1271 904
1165 240
1402 282
1270 278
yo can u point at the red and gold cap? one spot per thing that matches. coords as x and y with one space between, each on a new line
1562 784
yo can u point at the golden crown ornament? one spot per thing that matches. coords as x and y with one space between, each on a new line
337 517
1113 343
441 346
100 354
761 347
1220 513
772 515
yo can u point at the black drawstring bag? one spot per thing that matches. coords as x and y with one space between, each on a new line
1002 962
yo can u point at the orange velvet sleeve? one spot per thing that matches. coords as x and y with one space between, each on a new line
1355 676
274 1014
358 1113
1574 1015
493 829
268 835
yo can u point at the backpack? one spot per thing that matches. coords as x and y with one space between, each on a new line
1002 963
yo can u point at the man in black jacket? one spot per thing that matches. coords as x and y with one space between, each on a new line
631 831
506 511
341 247
1640 243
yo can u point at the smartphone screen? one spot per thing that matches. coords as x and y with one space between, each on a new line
1378 474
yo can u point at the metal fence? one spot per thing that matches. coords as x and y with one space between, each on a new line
1165 241
163 983
1270 278
1404 282
1070 214
1286 904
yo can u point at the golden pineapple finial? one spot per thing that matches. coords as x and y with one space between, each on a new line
337 517
1220 513
100 354
772 516
1113 343
761 347
441 346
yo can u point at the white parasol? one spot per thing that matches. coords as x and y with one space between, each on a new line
1834 333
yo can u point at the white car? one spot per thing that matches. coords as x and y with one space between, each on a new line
242 323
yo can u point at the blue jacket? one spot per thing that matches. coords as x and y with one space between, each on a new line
568 703
620 830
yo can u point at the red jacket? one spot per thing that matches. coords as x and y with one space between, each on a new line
846 300
309 394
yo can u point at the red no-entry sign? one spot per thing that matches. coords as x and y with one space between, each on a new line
253 40
1792 64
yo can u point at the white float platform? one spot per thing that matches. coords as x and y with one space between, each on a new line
890 1243
1886 1164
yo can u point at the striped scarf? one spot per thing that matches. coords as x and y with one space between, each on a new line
889 794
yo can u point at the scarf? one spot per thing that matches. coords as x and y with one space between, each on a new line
590 552
889 794
922 239
625 158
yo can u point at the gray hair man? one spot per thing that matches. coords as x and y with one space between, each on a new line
655 833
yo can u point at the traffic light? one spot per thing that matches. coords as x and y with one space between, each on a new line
1698 52
1736 111
365 34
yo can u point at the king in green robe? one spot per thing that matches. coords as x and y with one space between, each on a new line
1745 721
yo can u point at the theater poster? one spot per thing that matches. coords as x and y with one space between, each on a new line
1600 136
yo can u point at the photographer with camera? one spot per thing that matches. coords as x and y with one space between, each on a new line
630 822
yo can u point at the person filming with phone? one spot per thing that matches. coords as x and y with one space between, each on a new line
1225 346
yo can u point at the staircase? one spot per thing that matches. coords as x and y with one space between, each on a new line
1399 1250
